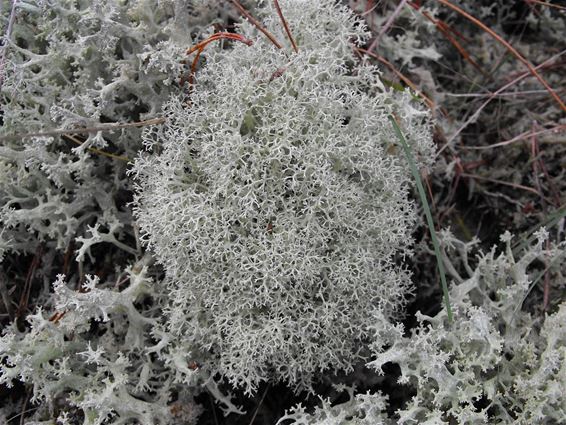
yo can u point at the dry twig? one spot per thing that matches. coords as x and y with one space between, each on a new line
256 23
286 26
508 46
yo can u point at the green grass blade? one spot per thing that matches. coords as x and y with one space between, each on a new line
428 215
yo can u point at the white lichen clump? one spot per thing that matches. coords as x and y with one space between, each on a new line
495 363
276 198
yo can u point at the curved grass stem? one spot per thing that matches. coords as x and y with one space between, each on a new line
428 215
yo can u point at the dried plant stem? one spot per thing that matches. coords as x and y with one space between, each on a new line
387 25
446 29
202 45
6 295
522 136
286 26
546 287
256 23
506 94
98 151
504 183
107 127
538 162
258 406
24 298
492 96
24 406
509 47
381 59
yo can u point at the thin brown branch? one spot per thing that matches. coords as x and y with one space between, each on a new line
536 164
556 129
25 403
6 295
444 29
98 151
286 26
256 23
503 183
406 80
202 45
258 406
387 25
474 116
540 167
219 36
509 47
24 298
107 127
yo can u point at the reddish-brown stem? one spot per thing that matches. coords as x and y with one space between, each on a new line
202 45
491 97
508 46
536 162
218 36
57 316
287 30
504 183
278 73
553 189
538 165
98 151
556 129
546 287
446 29
256 23
381 59
24 299
387 25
